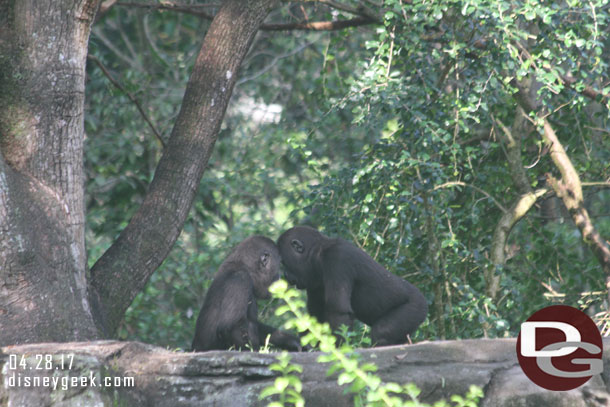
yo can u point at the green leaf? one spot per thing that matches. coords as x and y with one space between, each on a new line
345 378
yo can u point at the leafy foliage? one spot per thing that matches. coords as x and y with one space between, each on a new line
426 194
386 135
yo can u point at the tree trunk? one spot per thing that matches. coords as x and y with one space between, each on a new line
121 273
45 293
43 49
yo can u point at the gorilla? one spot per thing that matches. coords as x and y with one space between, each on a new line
343 283
228 317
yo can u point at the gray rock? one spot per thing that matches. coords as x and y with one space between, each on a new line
164 378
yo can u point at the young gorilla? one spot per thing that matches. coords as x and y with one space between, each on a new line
343 283
228 316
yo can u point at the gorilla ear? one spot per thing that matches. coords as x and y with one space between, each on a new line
297 245
265 259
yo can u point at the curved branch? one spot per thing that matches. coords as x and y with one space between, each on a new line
508 220
511 140
105 6
512 144
123 270
463 184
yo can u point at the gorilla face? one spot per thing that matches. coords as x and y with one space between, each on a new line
297 247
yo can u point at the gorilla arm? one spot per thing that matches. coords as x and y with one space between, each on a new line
315 302
279 338
240 326
236 299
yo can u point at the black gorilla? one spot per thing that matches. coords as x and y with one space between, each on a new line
228 316
343 283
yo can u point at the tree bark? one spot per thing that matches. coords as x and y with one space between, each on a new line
511 138
121 273
43 49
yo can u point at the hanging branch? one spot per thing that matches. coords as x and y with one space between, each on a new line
129 95
569 187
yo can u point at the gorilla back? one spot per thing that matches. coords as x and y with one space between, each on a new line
343 283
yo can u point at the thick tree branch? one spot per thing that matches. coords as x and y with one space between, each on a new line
558 154
121 273
508 220
511 139
582 220
365 16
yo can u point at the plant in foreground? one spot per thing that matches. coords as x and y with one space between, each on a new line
368 388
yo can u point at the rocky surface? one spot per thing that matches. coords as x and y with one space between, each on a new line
76 374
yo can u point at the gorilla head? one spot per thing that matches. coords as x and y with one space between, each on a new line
299 246
260 256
